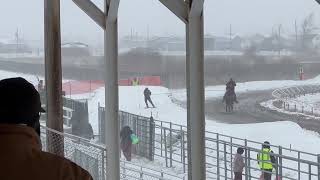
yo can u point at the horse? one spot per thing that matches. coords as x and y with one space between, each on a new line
229 99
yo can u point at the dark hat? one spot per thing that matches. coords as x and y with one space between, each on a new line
19 101
266 144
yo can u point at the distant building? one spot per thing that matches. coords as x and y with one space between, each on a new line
75 49
13 46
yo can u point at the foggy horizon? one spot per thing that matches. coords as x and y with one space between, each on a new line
247 17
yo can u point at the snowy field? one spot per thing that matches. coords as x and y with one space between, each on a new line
131 100
218 91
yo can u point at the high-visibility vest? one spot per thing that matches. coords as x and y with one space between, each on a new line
264 159
135 82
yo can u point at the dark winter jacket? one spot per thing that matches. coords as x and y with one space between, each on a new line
230 85
22 158
125 135
147 93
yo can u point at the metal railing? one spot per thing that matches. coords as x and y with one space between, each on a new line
288 99
92 157
171 152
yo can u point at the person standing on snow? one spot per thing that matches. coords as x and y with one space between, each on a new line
238 164
126 143
266 161
147 97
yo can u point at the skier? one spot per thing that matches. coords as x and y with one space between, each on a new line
126 143
147 97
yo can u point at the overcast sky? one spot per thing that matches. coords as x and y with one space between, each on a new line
246 17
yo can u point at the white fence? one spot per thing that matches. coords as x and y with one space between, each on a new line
288 99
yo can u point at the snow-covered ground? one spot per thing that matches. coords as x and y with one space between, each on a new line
307 105
218 91
131 100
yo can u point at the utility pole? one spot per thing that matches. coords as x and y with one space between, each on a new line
279 39
296 31
230 37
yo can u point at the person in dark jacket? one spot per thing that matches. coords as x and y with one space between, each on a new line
126 143
266 161
147 97
230 89
20 152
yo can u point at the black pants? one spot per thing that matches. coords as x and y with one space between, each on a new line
237 176
146 99
267 173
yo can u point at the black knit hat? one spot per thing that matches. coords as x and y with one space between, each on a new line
19 101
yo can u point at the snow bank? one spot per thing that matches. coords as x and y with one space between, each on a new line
218 91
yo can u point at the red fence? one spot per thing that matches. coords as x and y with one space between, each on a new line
82 87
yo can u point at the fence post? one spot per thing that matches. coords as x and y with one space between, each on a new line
165 147
246 159
249 163
299 165
231 159
151 140
183 153
284 105
103 163
141 173
161 139
318 166
218 163
170 143
280 162
225 160
310 176
302 109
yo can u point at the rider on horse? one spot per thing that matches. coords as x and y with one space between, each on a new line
230 86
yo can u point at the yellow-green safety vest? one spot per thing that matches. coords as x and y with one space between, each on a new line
135 82
264 159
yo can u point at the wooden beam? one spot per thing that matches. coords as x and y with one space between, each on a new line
92 11
53 74
112 14
177 7
196 8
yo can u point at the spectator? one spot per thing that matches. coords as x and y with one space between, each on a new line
126 143
266 161
147 97
238 164
20 152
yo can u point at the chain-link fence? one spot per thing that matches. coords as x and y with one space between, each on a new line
92 157
87 155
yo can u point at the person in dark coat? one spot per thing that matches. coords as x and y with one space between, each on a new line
147 97
126 143
20 153
230 89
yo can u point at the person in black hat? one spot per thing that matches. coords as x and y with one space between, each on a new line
20 103
20 152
